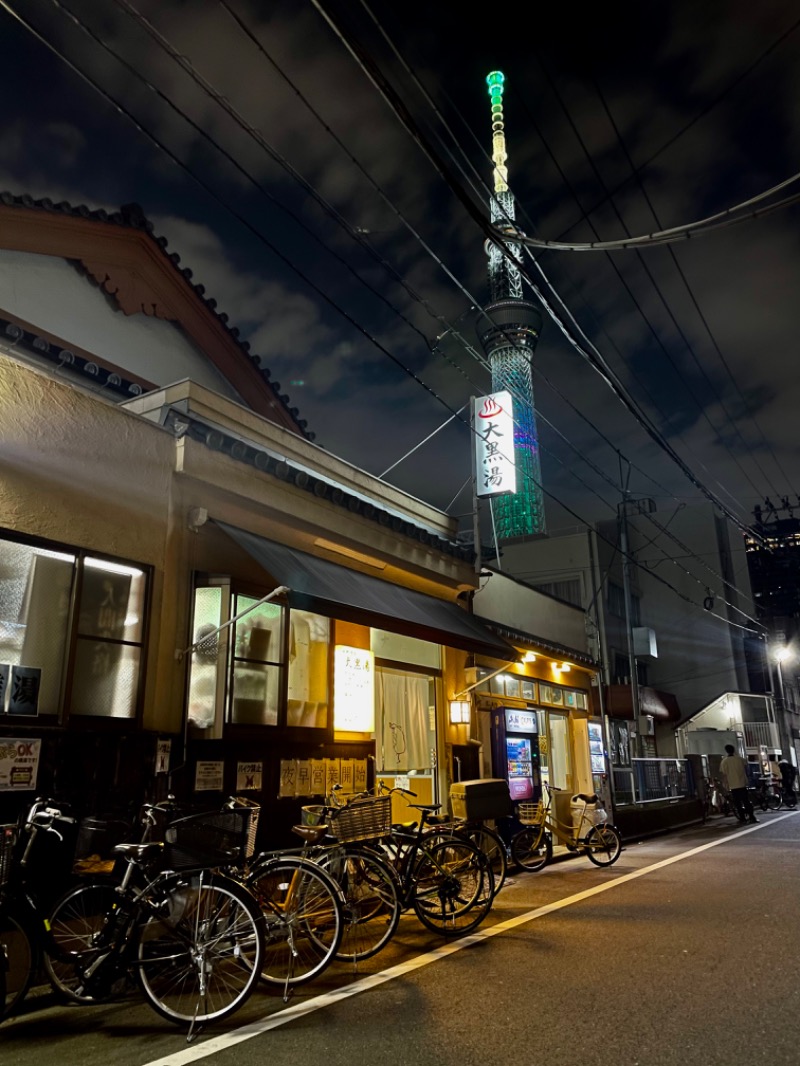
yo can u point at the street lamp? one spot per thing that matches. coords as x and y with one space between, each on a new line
782 654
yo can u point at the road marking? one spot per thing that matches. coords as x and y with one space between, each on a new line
290 1014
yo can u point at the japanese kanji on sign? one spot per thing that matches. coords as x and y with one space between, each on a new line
493 422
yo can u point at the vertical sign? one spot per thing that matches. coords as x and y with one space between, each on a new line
163 748
495 469
354 689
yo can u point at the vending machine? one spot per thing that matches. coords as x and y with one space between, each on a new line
515 752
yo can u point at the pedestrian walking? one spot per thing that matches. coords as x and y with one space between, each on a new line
734 772
788 775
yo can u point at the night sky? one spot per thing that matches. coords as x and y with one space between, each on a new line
626 117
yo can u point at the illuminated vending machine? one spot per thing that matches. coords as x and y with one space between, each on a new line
597 757
515 752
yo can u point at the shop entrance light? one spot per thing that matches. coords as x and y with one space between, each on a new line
459 712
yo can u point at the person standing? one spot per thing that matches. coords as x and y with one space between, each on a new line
788 774
734 772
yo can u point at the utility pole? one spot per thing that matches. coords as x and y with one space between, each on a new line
626 587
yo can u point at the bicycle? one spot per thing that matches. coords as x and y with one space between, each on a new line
532 847
445 880
766 794
193 936
23 904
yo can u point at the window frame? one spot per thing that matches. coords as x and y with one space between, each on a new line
65 717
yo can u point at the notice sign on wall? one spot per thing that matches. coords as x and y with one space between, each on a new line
354 689
249 776
19 763
495 467
208 776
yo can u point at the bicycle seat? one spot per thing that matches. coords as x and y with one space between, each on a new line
138 852
586 799
426 806
311 834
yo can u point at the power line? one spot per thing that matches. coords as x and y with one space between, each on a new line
686 284
127 114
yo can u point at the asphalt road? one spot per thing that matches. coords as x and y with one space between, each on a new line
682 953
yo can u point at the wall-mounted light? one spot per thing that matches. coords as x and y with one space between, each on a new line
529 657
459 712
565 668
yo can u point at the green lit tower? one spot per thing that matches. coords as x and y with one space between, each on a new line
509 333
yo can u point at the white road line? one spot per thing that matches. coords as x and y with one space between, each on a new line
274 1021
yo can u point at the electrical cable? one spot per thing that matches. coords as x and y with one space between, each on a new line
127 114
686 284
589 352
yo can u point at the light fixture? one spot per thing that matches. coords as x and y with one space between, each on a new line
459 712
529 657
565 668
781 654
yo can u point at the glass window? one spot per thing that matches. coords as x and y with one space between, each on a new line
258 652
307 695
207 669
38 586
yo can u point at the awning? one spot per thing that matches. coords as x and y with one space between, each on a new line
325 588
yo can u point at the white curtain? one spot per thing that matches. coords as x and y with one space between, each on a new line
403 717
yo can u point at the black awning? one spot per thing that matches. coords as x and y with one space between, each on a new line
321 586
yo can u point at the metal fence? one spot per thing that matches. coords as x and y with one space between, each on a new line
650 780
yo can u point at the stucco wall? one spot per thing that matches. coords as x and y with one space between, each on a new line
513 604
80 313
83 472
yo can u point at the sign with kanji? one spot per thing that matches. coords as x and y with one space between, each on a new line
19 763
23 690
208 776
354 689
249 776
163 748
495 467
288 781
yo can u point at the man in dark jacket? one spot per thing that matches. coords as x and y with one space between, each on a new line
788 775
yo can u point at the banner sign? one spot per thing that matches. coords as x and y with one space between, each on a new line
493 421
19 763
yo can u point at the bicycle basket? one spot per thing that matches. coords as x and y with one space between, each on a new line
530 813
245 804
8 840
365 819
314 814
206 840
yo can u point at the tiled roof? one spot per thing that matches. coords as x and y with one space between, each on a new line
131 216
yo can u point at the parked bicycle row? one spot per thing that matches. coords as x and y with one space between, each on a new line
196 917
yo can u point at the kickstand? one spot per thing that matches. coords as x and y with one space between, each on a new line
194 1029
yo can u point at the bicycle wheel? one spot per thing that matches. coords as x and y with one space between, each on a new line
532 848
82 929
490 843
773 799
199 956
603 845
453 887
22 955
302 907
371 900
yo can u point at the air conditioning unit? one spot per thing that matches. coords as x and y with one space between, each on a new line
647 725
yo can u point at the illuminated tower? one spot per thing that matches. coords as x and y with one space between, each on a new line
508 334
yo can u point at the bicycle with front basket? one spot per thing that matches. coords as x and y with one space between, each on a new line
589 832
193 936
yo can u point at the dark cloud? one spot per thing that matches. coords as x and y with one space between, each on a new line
705 340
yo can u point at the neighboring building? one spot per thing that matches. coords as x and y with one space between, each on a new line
190 589
691 649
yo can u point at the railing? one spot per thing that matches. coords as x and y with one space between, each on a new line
650 780
758 734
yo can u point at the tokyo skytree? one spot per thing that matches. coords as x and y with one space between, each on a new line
509 332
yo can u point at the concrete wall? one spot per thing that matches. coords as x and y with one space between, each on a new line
511 603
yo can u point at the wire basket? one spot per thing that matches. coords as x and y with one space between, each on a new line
8 840
365 819
243 803
219 838
313 814
530 813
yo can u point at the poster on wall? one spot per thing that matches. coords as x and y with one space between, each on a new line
208 776
288 782
19 763
23 690
303 786
163 748
249 776
360 775
317 777
5 670
347 774
332 770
